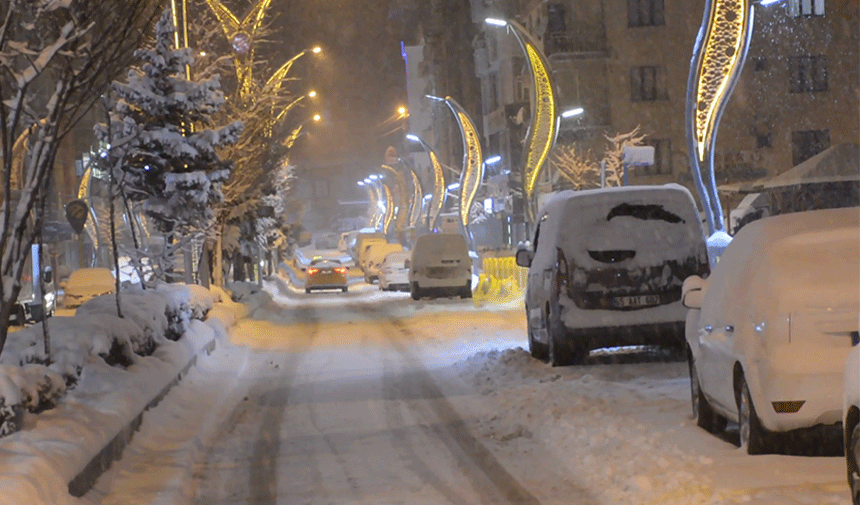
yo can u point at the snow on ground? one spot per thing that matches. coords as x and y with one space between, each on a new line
626 430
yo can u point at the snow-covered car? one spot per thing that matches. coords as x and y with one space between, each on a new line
87 283
777 315
326 273
440 266
361 240
394 271
851 417
606 268
373 255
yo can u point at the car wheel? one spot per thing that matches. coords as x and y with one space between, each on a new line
852 456
466 292
416 293
561 350
536 349
704 415
752 433
345 289
307 290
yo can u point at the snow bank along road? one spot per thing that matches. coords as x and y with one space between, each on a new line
372 398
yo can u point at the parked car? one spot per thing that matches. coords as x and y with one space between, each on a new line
394 271
87 283
326 273
440 266
32 304
769 345
359 243
606 268
851 417
372 256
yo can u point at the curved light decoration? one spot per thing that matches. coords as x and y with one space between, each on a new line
91 225
473 167
417 200
389 209
240 34
719 53
544 125
438 199
402 215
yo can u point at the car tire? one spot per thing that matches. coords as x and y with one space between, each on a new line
704 415
307 290
536 349
561 350
345 289
852 457
751 433
466 291
416 293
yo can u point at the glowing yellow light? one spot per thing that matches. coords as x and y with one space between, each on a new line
542 133
202 53
316 50
401 110
438 189
389 208
317 117
723 49
312 94
472 171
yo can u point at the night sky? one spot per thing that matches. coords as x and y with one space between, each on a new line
360 76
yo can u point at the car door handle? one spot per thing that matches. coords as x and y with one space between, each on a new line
730 328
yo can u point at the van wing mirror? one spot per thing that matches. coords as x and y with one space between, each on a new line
692 292
524 258
48 276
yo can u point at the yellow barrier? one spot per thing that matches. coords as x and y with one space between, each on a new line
502 281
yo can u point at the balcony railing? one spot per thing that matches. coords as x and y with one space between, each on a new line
585 41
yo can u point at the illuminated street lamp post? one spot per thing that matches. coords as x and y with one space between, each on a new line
544 118
473 167
719 54
437 200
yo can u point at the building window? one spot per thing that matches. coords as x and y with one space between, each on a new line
662 157
760 64
806 8
763 140
807 73
645 13
806 144
646 84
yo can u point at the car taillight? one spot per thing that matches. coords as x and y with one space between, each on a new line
340 270
312 271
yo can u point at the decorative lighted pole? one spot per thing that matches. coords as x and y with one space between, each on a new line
543 130
437 199
401 217
473 167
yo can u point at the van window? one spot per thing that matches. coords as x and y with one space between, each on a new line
644 212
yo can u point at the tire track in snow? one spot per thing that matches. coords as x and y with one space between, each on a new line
486 474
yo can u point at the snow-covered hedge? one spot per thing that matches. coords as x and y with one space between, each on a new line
29 380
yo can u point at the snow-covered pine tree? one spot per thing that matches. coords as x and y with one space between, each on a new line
169 162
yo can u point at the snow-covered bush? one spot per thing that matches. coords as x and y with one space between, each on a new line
146 309
183 302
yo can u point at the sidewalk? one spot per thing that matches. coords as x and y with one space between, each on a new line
59 453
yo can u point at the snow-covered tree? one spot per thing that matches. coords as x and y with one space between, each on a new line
579 169
614 155
583 171
56 58
167 159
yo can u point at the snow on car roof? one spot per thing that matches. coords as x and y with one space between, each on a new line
657 221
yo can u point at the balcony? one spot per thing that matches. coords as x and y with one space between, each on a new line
583 43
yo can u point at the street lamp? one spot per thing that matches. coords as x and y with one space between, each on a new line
438 200
544 120
719 54
473 168
572 112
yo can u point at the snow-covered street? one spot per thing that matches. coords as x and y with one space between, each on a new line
372 398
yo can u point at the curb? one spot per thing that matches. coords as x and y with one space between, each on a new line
112 451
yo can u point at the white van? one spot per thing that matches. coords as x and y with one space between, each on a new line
440 266
606 268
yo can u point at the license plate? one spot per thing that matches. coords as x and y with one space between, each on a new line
636 301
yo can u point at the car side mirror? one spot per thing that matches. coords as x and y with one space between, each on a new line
524 258
692 292
48 276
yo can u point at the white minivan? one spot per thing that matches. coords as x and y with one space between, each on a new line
606 268
440 266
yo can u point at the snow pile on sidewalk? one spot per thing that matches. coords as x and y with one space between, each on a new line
107 384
